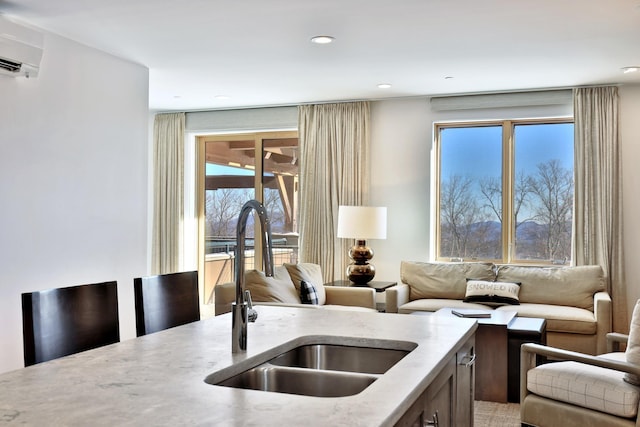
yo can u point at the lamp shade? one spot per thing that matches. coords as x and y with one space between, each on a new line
362 222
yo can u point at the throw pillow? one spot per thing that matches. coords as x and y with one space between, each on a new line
278 288
308 293
308 272
492 293
632 354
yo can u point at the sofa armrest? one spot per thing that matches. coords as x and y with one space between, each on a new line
225 294
344 295
395 297
602 313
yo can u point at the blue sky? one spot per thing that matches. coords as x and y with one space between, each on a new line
476 151
213 169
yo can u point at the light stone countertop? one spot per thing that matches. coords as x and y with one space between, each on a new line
158 379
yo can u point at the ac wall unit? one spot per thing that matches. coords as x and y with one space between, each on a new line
20 49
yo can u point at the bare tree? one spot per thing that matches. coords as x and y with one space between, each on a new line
491 189
458 212
553 188
275 209
222 208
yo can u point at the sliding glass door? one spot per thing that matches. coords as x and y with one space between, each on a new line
233 169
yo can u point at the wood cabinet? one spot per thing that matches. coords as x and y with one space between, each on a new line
448 400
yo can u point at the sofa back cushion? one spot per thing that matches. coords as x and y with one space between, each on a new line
310 273
278 288
572 286
442 280
479 271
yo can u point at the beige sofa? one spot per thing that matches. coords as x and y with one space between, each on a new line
573 300
283 289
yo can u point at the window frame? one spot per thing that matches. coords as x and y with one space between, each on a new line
508 179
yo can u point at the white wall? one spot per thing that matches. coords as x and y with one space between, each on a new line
401 169
73 181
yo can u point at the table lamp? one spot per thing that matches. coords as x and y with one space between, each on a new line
361 223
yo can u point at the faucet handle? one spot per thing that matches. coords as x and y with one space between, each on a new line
251 313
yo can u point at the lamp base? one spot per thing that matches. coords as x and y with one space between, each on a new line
360 271
360 274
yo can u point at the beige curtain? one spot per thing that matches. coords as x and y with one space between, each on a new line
598 191
168 178
334 171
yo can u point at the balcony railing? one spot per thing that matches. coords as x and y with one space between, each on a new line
220 260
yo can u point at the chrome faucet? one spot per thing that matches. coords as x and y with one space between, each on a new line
241 308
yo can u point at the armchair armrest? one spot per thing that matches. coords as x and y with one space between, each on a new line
602 313
344 295
283 304
396 296
225 294
529 351
614 339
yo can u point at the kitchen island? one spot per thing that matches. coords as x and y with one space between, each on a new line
158 379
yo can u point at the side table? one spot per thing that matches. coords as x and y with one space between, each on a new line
522 330
379 286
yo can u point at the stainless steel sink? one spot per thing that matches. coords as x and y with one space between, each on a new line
307 382
341 358
317 369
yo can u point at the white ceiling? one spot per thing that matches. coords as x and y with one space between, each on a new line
257 52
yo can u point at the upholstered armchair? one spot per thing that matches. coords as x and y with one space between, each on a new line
285 288
578 390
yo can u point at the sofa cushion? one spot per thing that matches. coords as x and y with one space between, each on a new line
435 304
565 286
434 280
559 318
480 271
278 288
584 385
492 293
308 272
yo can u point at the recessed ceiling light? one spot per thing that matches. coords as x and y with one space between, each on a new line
448 77
630 69
222 97
322 39
384 85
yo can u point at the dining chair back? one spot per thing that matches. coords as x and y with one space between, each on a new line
165 301
63 321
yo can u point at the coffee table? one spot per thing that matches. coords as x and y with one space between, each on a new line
492 337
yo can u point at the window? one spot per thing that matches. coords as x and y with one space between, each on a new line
505 191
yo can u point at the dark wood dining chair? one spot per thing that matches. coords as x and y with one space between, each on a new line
63 321
165 301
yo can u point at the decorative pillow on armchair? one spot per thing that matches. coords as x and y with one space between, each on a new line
308 294
492 293
278 288
308 272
